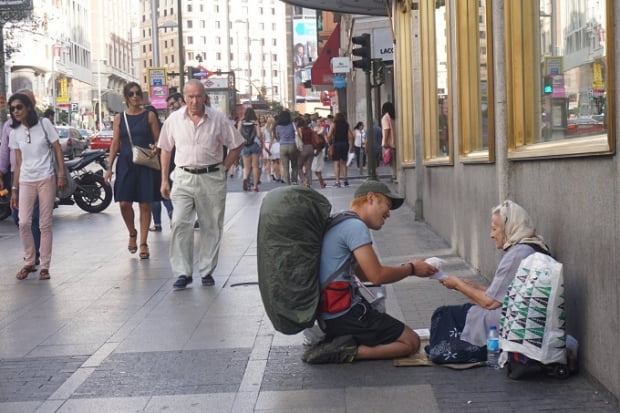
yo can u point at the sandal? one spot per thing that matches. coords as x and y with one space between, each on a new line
144 252
23 273
44 274
132 240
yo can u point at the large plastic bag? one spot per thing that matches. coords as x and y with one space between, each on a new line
533 321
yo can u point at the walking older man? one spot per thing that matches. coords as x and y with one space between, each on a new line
199 134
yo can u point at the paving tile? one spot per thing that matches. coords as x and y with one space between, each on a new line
203 403
35 378
19 407
418 398
323 400
105 405
166 373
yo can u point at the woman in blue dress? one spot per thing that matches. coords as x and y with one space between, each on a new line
134 183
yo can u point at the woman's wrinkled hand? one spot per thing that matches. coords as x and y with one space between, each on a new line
451 282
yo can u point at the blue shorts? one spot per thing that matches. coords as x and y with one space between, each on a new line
253 149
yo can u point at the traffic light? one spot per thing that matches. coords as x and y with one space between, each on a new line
191 72
363 51
547 85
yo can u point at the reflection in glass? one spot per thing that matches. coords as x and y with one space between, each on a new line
573 80
484 79
441 41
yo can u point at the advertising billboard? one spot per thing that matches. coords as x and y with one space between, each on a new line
305 51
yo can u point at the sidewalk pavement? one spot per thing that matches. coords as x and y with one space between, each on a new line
109 334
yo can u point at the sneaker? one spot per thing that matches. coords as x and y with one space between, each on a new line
182 282
341 349
337 185
208 280
196 225
346 183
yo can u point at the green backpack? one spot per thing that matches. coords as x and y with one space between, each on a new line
291 225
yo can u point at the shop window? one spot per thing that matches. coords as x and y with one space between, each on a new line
475 82
559 78
436 116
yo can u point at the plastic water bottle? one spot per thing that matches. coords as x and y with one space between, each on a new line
493 348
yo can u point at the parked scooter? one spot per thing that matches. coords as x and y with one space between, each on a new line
5 208
91 193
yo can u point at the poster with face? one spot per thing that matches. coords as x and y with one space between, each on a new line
304 49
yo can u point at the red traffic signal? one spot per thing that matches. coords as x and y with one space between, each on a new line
363 51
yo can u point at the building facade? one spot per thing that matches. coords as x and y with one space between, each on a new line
77 56
244 37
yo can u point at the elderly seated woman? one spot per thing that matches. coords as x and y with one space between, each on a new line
458 333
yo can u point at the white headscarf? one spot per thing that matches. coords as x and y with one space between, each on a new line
518 227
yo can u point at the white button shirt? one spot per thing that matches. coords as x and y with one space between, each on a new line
198 145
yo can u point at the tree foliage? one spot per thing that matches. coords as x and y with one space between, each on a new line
14 24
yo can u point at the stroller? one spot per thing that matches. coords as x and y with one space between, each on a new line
533 326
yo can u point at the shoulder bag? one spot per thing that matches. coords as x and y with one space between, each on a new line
141 156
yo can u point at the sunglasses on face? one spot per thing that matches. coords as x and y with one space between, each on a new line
133 93
19 106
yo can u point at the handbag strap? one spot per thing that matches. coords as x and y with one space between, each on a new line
49 145
128 129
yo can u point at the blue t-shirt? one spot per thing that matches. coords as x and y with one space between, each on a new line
339 242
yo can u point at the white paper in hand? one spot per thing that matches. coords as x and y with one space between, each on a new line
437 263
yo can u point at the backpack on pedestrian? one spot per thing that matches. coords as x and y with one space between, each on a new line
291 225
248 131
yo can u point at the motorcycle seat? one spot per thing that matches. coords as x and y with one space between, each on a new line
71 164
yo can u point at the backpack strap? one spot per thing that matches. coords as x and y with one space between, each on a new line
332 222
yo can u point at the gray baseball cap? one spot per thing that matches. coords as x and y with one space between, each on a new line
380 188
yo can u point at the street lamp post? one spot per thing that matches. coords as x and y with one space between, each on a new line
181 47
100 125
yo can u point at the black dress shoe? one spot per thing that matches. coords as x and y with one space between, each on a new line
208 280
182 281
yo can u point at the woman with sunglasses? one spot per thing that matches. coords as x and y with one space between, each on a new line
134 183
34 178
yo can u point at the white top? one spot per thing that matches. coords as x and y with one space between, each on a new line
266 135
37 161
359 138
202 144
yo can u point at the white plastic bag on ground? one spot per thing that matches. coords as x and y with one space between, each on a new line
533 322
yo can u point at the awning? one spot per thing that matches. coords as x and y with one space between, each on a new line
368 7
322 75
